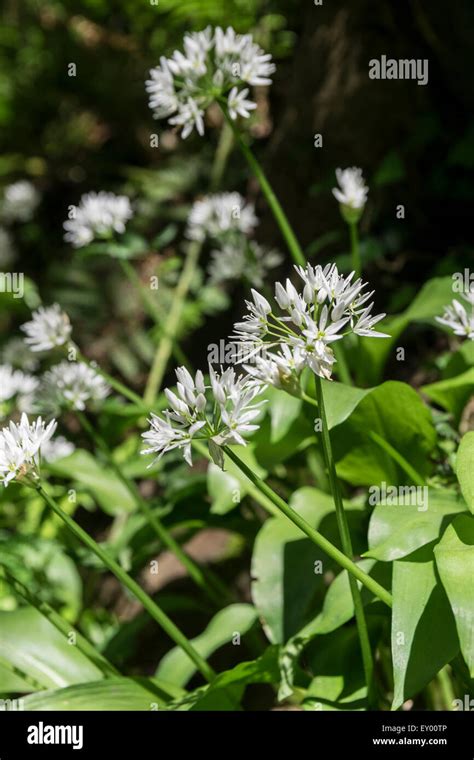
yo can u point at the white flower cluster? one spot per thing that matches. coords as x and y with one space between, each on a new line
215 65
19 202
48 328
352 191
98 215
20 447
73 385
221 413
215 216
313 319
14 382
56 448
245 260
459 318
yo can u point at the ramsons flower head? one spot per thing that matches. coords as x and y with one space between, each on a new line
327 308
21 447
56 448
351 193
221 412
49 327
15 383
19 201
214 65
245 259
460 318
72 385
98 215
220 215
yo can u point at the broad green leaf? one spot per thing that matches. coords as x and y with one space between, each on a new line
428 304
177 668
105 486
459 361
452 394
11 682
269 453
109 694
465 468
424 635
455 562
395 412
228 487
284 411
36 648
398 530
340 401
283 567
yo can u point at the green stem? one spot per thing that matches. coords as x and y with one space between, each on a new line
446 688
150 306
150 606
317 538
275 205
226 142
61 625
218 593
355 249
398 458
346 541
171 325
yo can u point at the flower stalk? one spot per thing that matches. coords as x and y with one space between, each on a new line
150 606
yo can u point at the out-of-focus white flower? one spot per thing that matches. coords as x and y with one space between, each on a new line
16 353
73 385
19 201
98 215
245 260
56 448
7 250
213 65
221 413
458 318
20 447
49 327
215 216
15 383
352 191
238 104
329 307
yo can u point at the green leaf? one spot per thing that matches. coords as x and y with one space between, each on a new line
105 486
465 468
110 694
452 394
36 648
398 530
284 411
283 567
395 412
340 401
424 635
455 562
177 668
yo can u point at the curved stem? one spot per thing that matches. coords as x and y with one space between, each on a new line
275 205
355 249
346 541
151 607
165 348
218 594
342 559
83 645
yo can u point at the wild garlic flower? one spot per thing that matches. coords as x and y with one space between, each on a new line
221 413
21 446
459 318
56 448
98 216
19 202
15 383
72 385
7 250
351 193
16 353
245 260
215 65
329 307
50 327
219 215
